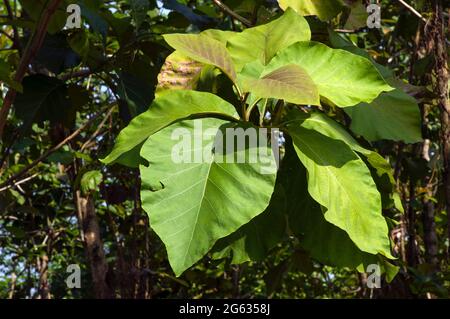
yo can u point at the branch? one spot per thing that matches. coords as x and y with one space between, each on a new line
19 182
233 14
31 50
97 131
414 11
14 178
78 74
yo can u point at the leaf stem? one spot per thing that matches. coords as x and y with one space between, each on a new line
262 113
250 109
278 112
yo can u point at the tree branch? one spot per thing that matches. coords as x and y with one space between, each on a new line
413 11
31 50
231 13
18 183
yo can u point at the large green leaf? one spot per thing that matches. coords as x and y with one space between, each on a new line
290 83
165 110
393 116
324 241
254 240
193 203
264 42
203 48
324 9
343 78
341 182
381 169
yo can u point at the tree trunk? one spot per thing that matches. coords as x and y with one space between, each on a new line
429 233
42 267
411 248
93 245
441 89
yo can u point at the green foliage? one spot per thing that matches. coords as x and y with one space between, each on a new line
192 206
90 181
355 184
42 99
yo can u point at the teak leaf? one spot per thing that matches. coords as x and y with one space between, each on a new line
205 49
165 110
341 182
290 83
343 78
264 42
197 201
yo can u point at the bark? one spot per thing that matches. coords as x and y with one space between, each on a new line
12 290
93 245
429 230
425 47
44 289
411 248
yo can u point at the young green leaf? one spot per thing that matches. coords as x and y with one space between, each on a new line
264 42
290 83
90 181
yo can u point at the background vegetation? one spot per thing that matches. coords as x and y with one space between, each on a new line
78 88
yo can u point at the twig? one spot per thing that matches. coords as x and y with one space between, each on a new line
348 30
97 131
414 11
18 183
31 50
233 14
14 178
78 74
